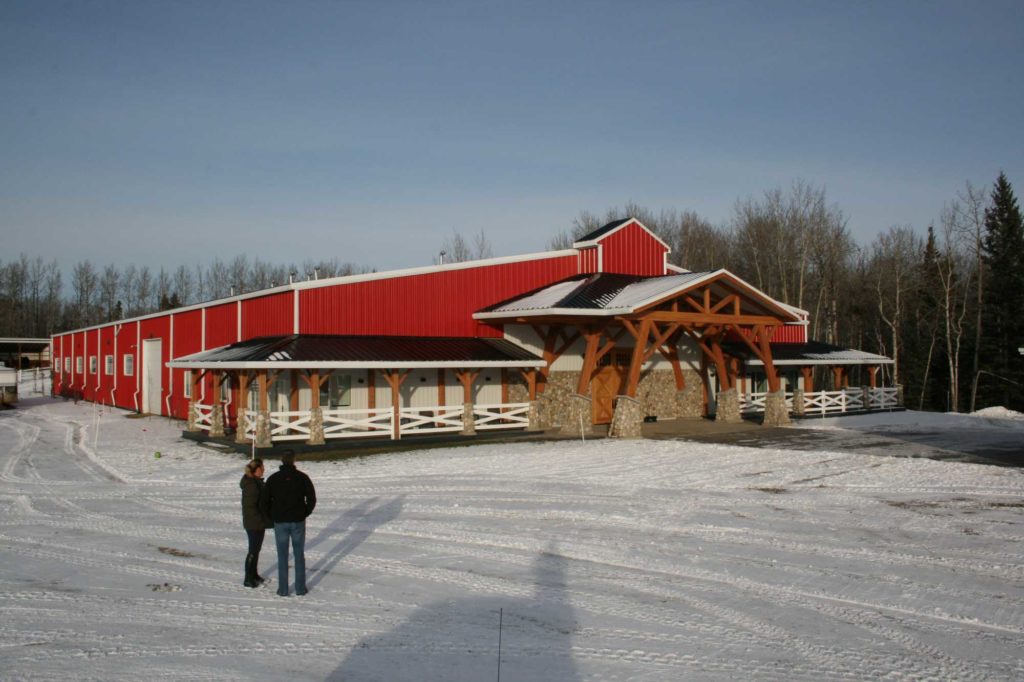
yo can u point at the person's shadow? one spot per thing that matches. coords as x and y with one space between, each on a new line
363 520
459 639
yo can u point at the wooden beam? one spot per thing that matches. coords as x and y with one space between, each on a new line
709 318
293 392
261 378
593 338
395 379
637 361
808 374
440 386
371 387
530 376
466 377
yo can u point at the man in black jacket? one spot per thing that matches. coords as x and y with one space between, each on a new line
288 498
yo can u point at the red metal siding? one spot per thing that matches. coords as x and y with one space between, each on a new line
126 340
268 315
632 250
432 304
188 339
588 260
790 333
221 325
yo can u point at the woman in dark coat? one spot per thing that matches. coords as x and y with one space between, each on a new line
253 520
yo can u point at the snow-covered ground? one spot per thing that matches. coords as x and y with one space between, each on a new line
605 560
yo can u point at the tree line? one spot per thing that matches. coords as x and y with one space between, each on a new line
33 302
945 305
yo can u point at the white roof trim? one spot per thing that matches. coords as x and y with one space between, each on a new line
352 364
819 361
595 242
626 310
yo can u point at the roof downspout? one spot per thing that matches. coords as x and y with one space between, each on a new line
170 372
135 370
113 391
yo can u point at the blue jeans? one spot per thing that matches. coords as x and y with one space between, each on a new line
294 531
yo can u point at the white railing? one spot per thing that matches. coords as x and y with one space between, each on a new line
884 398
501 416
250 424
292 425
752 403
364 423
823 402
203 416
431 419
348 423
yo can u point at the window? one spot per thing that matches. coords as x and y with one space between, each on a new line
56 367
108 365
67 365
93 365
336 391
188 383
129 365
79 365
225 390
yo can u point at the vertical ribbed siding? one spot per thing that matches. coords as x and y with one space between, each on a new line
188 339
432 304
588 260
267 315
633 251
221 325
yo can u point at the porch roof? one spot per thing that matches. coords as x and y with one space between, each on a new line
810 353
607 294
307 351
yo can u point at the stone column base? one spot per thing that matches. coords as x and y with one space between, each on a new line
798 402
628 418
468 420
690 402
217 420
579 421
263 430
316 426
242 427
190 425
533 416
775 411
728 409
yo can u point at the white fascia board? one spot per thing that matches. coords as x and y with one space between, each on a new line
26 341
570 312
426 270
676 269
365 364
595 242
347 279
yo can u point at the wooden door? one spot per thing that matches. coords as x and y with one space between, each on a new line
609 378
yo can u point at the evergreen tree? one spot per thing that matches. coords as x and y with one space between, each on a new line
1003 315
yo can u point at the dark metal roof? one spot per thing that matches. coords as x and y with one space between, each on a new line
603 230
810 353
331 350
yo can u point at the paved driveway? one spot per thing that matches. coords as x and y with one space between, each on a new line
989 442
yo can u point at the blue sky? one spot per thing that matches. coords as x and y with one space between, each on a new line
168 133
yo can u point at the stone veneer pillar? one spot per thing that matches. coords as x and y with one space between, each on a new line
775 411
190 425
533 416
241 427
580 414
263 429
627 419
468 420
316 426
690 402
728 406
217 420
798 402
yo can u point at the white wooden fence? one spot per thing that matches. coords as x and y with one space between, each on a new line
830 402
380 421
751 403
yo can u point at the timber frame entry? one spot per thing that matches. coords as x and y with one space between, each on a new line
715 310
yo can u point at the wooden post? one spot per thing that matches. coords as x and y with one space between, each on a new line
293 393
808 374
637 361
872 376
371 387
589 361
504 386
440 386
395 379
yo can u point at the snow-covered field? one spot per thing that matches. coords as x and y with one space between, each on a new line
605 560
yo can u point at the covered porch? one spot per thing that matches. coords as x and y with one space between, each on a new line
315 389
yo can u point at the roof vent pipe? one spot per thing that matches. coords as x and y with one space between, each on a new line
316 273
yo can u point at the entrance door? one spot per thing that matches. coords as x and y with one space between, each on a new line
152 384
608 380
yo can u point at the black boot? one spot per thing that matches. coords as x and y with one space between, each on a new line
250 571
257 578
